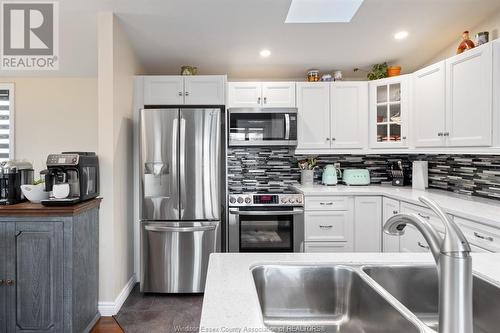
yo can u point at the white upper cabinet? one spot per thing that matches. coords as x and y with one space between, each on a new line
389 105
278 94
261 94
429 106
469 98
313 127
204 89
349 114
178 90
244 94
163 90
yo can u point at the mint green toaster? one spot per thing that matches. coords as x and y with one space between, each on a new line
356 177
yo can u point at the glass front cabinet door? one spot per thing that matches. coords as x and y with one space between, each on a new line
389 105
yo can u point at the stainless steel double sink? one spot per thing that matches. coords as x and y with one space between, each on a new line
362 299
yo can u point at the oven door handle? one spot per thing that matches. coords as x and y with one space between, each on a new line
287 126
296 211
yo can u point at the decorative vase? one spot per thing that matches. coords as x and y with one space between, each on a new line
393 71
465 44
307 177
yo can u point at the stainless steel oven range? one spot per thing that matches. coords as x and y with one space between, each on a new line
266 222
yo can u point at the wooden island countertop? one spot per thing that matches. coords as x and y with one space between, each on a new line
31 209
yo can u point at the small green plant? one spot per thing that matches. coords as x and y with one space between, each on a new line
38 181
379 71
308 164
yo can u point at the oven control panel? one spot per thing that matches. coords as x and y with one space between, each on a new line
239 200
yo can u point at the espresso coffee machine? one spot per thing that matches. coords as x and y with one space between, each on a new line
79 170
13 174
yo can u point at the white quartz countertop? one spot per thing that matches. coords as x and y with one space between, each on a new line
481 210
230 303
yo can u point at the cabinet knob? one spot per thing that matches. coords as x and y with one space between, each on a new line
440 134
327 139
186 93
404 137
180 93
446 133
394 212
265 100
2 282
333 139
9 282
258 100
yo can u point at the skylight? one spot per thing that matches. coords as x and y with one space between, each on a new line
322 11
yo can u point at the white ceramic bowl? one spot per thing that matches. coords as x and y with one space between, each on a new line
35 193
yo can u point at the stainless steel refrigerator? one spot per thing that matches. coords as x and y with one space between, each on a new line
181 201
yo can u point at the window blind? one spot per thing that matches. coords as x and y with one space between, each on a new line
5 113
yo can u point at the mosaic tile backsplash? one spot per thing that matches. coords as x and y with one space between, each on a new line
265 168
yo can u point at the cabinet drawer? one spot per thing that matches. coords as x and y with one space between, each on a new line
336 226
328 203
326 247
477 249
413 241
480 235
425 213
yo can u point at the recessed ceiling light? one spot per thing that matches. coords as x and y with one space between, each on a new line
401 35
322 11
265 53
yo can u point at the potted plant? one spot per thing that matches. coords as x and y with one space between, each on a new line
307 167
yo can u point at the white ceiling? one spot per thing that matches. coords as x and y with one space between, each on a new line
225 36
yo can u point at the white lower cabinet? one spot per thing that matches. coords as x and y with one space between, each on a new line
412 241
329 228
390 208
368 224
355 224
480 236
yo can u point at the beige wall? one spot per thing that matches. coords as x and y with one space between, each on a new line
491 24
53 115
116 69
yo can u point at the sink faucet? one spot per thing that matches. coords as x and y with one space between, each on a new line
454 265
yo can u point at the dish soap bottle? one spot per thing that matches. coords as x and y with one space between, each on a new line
465 44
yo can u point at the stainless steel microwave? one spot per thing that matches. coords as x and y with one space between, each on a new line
262 127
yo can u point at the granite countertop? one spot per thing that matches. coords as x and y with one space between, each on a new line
485 211
230 303
31 209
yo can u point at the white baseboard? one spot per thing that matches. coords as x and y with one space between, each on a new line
107 309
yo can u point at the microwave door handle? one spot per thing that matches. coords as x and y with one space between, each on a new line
266 212
287 126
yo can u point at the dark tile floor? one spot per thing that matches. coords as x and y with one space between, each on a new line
160 313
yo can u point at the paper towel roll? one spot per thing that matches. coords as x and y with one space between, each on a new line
420 179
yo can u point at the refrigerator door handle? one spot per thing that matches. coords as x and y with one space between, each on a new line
182 165
180 229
